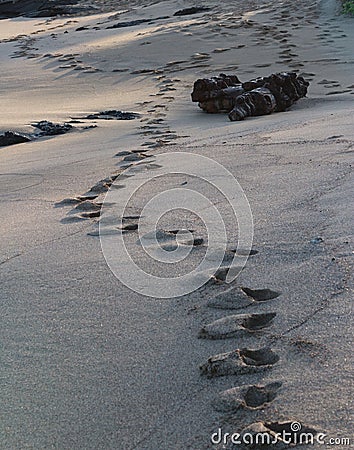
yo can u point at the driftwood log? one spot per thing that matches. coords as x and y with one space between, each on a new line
264 95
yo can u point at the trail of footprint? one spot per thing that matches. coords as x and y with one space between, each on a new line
246 397
239 362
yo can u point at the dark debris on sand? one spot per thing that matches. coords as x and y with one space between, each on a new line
44 8
113 115
190 11
256 97
52 129
12 138
134 23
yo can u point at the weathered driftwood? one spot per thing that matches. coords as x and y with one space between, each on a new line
256 97
206 88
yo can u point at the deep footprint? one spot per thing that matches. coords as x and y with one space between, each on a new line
74 200
129 227
87 205
231 326
222 273
237 298
91 215
249 397
239 362
259 396
260 295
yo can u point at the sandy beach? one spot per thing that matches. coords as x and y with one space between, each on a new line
96 354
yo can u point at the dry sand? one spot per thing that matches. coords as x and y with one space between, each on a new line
89 364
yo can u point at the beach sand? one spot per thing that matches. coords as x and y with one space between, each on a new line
88 363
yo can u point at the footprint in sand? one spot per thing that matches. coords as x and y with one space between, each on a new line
123 153
146 72
134 157
169 240
221 50
295 65
87 205
106 228
75 200
239 362
230 255
285 46
221 274
231 326
67 202
127 218
246 397
91 215
200 56
101 187
307 75
237 298
129 227
344 91
262 65
328 83
73 219
67 66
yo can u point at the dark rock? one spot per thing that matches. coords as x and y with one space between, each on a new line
207 88
11 138
17 8
217 94
189 11
279 92
42 8
52 8
223 100
258 102
256 97
52 129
